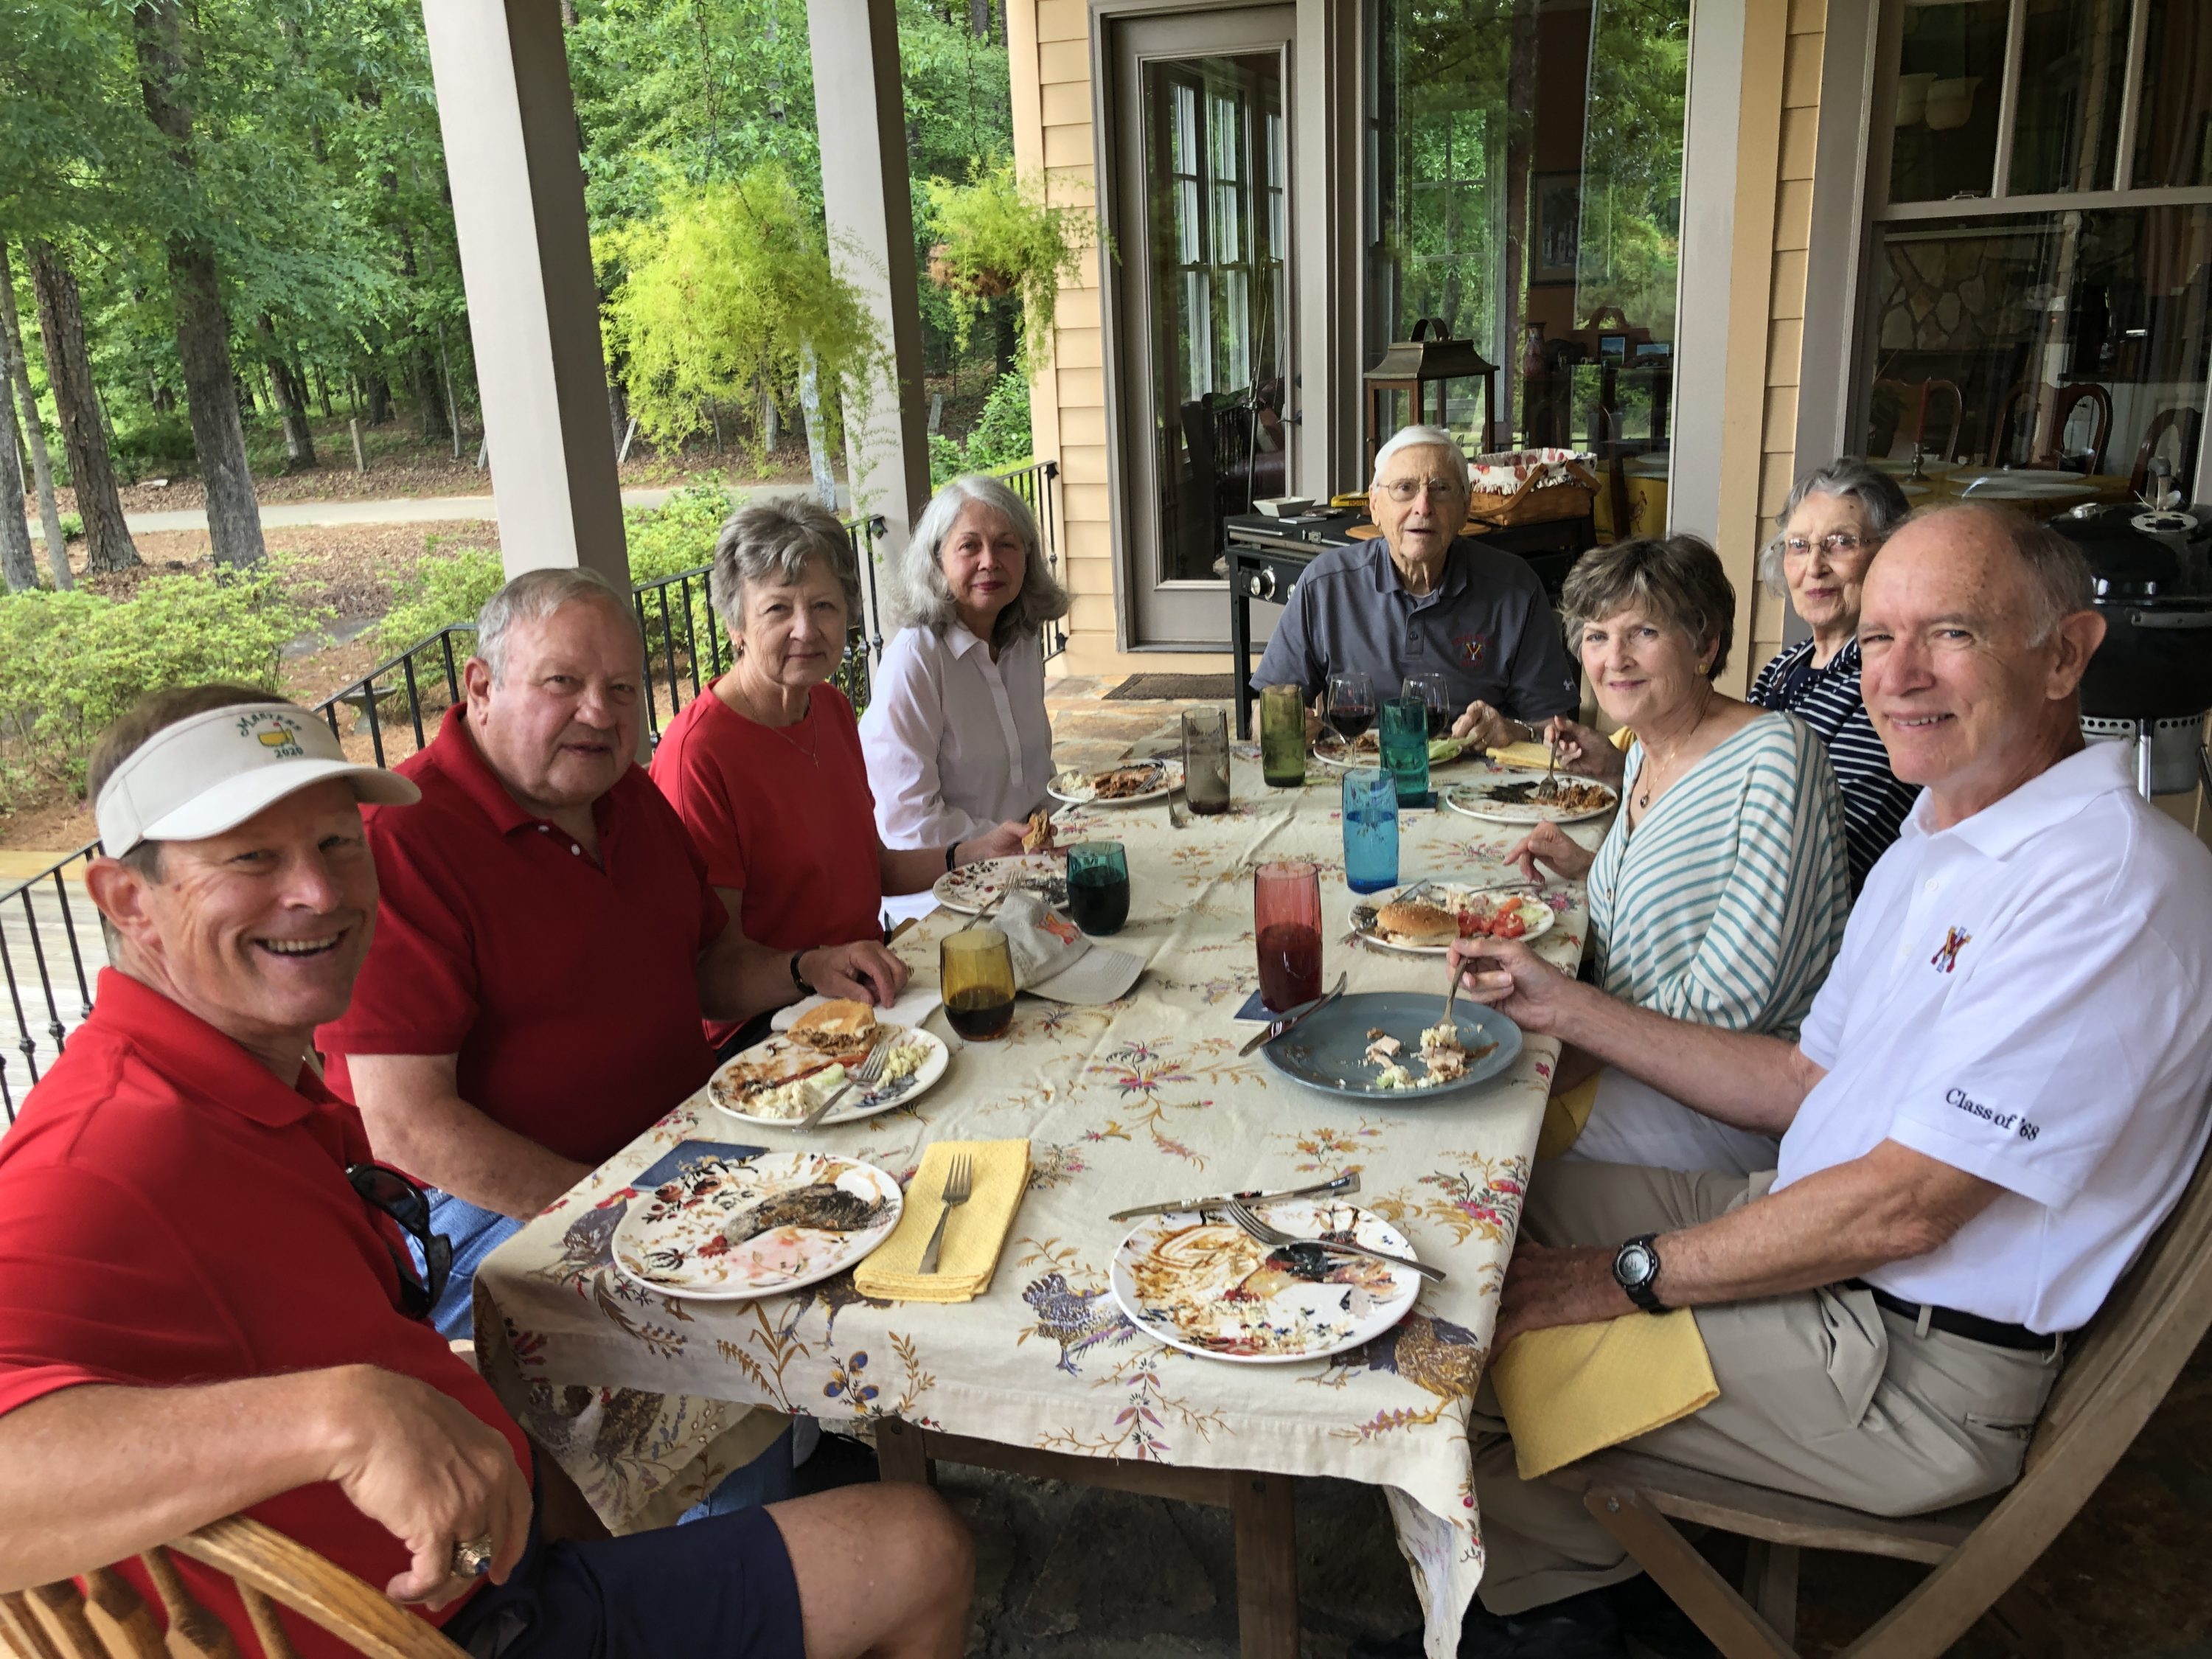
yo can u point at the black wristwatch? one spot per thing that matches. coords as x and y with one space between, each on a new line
952 856
797 978
1634 1269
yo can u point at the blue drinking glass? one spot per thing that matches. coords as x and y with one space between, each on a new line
1370 829
1406 748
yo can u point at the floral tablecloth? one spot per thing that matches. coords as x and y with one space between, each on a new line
641 1397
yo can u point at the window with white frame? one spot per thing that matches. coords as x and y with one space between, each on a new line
2035 318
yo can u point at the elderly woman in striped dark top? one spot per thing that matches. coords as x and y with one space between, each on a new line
1719 894
1828 531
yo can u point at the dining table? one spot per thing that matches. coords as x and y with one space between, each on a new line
645 1399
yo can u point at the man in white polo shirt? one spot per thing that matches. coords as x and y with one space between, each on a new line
1997 1096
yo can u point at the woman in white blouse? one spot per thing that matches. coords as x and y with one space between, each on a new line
956 734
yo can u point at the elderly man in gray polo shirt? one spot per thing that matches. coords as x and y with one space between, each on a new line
1422 598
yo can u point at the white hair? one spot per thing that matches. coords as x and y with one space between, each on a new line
533 596
920 595
1423 437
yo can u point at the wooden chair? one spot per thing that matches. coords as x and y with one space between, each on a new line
108 1620
2001 421
2062 407
2114 1377
2188 423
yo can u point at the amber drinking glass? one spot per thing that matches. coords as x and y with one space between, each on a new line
1286 923
977 974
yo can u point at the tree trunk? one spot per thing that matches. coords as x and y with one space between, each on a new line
430 402
291 397
379 399
18 569
618 409
202 330
107 545
818 443
42 467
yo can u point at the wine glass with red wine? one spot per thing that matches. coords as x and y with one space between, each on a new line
1351 704
1435 691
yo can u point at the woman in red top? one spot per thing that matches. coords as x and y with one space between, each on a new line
766 769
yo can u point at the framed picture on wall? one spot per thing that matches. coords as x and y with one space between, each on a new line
1556 243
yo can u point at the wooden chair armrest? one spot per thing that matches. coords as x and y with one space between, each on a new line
290 1573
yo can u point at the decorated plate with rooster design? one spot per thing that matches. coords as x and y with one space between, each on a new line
729 1229
1206 1287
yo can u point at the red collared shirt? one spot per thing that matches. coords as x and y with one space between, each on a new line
784 813
171 1214
566 986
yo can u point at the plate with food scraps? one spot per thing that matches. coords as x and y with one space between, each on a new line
1396 1046
1119 786
1366 750
728 1230
779 1081
1202 1283
974 888
1424 919
1511 799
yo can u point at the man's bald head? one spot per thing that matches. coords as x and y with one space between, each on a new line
1975 629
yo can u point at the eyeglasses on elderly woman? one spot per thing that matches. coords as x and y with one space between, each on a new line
1838 543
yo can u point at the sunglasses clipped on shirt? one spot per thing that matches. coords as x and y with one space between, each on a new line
385 1188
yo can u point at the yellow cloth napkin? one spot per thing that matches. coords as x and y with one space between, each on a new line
1565 1115
1575 1389
972 1237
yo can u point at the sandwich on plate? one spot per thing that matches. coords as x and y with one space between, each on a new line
1416 924
843 1029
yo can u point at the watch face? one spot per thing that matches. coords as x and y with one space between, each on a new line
1636 1263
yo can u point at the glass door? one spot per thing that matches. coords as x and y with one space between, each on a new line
1203 194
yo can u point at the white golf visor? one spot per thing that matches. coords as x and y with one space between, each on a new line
211 773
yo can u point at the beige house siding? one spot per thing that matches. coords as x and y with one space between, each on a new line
1785 309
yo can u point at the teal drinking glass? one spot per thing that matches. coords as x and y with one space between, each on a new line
1370 829
1406 748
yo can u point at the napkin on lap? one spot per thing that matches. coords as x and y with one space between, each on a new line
973 1238
1575 1389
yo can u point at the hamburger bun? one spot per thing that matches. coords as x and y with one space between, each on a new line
1417 924
839 1027
1038 835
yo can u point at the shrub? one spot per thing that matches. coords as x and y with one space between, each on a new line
72 526
1000 438
445 587
70 663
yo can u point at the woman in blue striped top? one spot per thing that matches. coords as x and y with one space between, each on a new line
1827 534
1719 895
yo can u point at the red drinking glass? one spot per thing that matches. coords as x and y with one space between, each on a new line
1287 922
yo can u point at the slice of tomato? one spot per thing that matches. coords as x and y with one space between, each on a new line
1509 925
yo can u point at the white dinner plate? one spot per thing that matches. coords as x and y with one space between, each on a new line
974 888
1207 1287
783 1048
1537 916
729 1229
1076 787
1478 800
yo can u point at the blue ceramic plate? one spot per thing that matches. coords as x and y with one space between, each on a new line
1328 1051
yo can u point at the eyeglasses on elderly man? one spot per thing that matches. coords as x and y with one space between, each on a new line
201 1279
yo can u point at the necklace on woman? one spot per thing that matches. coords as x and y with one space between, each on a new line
1650 777
750 711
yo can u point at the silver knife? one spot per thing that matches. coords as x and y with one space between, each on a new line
1345 1184
1282 1027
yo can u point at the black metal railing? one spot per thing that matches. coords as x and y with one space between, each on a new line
685 644
1034 484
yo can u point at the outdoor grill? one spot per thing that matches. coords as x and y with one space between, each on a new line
2150 681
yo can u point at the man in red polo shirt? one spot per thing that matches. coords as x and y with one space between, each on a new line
549 943
202 1308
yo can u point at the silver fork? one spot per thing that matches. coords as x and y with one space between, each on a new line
958 1185
1548 791
864 1076
1178 814
1275 1239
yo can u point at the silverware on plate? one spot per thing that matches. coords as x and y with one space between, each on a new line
1343 1185
1276 1239
864 1076
1282 1026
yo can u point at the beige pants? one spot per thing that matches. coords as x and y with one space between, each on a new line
1822 1393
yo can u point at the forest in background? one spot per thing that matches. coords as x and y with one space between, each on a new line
226 227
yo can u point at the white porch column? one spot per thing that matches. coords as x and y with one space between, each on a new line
859 108
504 105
